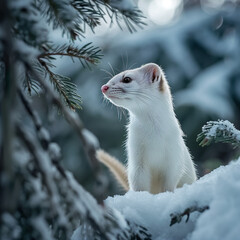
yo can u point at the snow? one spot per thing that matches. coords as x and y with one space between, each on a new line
222 125
43 134
25 50
54 151
44 230
111 219
9 223
220 190
68 13
25 13
90 138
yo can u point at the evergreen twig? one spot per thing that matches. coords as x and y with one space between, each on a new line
30 84
87 53
63 84
65 87
62 15
88 12
219 131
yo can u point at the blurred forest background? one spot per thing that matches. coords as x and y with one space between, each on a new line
198 45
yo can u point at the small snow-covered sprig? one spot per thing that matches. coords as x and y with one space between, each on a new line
219 131
177 217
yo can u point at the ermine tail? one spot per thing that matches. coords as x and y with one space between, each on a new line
117 168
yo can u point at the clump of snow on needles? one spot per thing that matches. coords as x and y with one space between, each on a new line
220 190
222 126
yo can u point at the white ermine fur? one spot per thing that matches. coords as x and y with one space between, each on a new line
158 159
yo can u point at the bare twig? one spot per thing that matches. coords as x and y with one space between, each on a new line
177 217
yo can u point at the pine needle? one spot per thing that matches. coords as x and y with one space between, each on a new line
219 131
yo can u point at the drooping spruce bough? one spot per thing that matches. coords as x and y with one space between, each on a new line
40 199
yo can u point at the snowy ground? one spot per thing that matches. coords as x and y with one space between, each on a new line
220 190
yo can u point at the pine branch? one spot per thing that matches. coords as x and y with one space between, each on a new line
88 13
73 16
86 54
133 18
58 183
68 90
26 24
177 217
30 84
62 15
65 87
118 10
72 118
138 231
124 11
77 206
219 131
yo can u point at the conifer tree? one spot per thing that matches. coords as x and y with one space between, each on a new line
40 199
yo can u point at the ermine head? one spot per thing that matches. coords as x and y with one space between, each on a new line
137 88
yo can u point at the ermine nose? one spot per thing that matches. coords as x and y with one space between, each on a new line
104 88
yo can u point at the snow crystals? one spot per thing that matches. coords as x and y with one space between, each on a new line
219 190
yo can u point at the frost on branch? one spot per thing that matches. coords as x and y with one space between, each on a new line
219 131
50 204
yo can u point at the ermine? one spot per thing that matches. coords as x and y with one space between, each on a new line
158 159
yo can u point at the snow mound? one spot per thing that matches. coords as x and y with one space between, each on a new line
219 190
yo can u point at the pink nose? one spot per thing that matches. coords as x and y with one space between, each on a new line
104 88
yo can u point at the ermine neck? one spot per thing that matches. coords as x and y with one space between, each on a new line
159 115
160 106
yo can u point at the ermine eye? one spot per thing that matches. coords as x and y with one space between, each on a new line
127 80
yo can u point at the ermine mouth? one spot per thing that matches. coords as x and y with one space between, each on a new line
115 93
113 97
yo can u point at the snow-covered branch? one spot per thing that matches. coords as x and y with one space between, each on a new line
61 201
219 131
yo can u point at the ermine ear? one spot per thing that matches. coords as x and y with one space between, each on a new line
152 71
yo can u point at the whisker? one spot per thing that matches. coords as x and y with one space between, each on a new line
132 65
123 65
105 100
109 64
106 78
140 94
110 74
127 60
